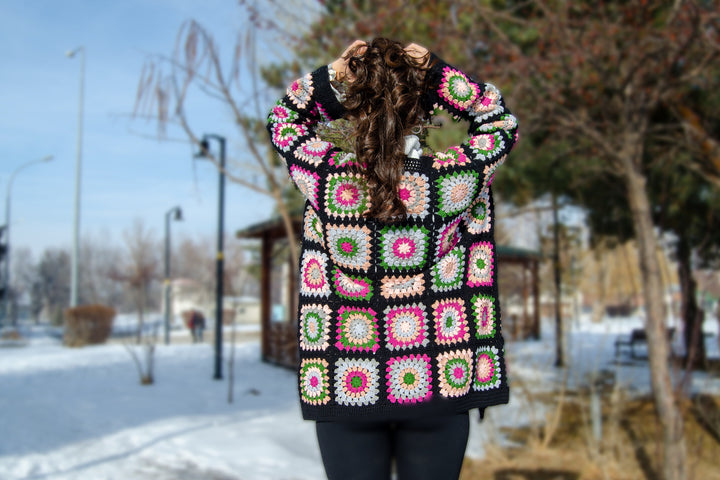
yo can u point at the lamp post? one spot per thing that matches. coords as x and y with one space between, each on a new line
6 275
78 168
219 259
176 214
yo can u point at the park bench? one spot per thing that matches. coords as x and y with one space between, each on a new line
638 336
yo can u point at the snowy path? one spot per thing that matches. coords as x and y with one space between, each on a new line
81 413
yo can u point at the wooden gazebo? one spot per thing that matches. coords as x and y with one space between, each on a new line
278 290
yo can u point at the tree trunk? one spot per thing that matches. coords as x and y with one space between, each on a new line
669 415
559 334
695 355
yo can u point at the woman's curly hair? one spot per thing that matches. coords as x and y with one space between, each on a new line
384 101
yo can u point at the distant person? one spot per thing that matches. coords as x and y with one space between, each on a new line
197 326
398 310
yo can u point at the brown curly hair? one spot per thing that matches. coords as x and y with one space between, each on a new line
384 101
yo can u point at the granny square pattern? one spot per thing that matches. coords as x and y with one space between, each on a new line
284 135
346 195
312 151
453 156
487 145
483 307
478 217
313 274
480 265
357 381
456 191
448 237
414 192
402 286
449 272
307 182
314 381
350 246
281 114
312 228
314 326
403 247
357 330
352 287
457 89
487 369
455 371
301 90
405 326
451 325
409 379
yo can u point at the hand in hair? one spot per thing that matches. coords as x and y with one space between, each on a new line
340 65
418 52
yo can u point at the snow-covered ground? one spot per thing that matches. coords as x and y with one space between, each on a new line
82 414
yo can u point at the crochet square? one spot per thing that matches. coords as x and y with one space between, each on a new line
406 326
478 218
489 172
350 246
453 156
301 90
343 159
487 369
346 195
357 381
456 191
312 229
314 327
480 265
456 89
307 182
352 287
314 381
402 286
455 372
448 237
312 151
414 192
284 135
403 247
450 321
448 272
483 307
487 145
357 330
488 105
282 114
409 379
313 274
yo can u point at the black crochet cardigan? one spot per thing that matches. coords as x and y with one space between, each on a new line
398 320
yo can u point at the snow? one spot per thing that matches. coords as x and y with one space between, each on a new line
82 414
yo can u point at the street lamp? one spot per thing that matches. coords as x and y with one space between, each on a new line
176 214
205 153
6 276
78 165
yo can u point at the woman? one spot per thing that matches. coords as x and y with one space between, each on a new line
399 322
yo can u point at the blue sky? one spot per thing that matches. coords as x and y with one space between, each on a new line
126 175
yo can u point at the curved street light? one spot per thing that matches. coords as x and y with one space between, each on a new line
6 275
219 258
78 167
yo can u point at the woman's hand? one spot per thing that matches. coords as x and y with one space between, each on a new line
419 53
340 65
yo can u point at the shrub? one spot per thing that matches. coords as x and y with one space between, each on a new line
88 325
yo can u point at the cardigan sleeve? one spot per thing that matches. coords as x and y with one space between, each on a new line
292 124
492 131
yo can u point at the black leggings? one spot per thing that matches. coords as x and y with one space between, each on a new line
424 448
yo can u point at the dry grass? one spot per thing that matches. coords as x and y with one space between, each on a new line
629 449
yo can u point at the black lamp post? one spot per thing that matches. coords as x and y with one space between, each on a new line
176 214
205 153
